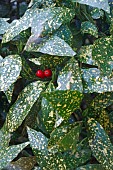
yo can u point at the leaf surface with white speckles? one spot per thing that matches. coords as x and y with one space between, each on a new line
22 106
100 144
101 4
8 154
70 78
10 68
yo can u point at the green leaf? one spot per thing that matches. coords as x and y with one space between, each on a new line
16 27
64 102
65 33
4 139
48 61
64 138
100 144
23 105
37 141
96 13
91 167
24 163
3 25
103 54
102 100
7 155
89 28
101 4
41 21
48 115
9 93
85 55
53 46
70 78
10 68
58 161
94 82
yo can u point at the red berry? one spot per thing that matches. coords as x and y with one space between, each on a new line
47 73
40 74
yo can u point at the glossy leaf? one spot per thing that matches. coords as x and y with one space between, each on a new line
23 163
85 55
100 144
89 28
103 54
4 139
48 160
7 155
94 82
53 46
91 167
3 25
41 21
23 105
9 93
64 102
48 61
101 4
10 68
37 140
70 78
65 33
64 138
96 13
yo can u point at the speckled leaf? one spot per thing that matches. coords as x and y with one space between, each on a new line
48 160
100 144
10 68
41 4
9 93
37 141
111 27
53 46
7 155
101 4
85 55
48 61
15 28
97 13
65 33
103 54
48 113
103 100
4 139
94 82
24 163
22 106
41 21
64 102
64 138
26 71
91 167
70 78
3 25
89 28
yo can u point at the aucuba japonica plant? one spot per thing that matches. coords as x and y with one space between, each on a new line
56 85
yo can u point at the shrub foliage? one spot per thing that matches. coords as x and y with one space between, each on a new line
63 122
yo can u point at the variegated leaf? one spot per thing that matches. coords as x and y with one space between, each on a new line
10 68
23 105
8 154
100 144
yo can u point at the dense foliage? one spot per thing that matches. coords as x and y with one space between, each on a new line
56 85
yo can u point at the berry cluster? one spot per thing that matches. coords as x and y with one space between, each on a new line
42 74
